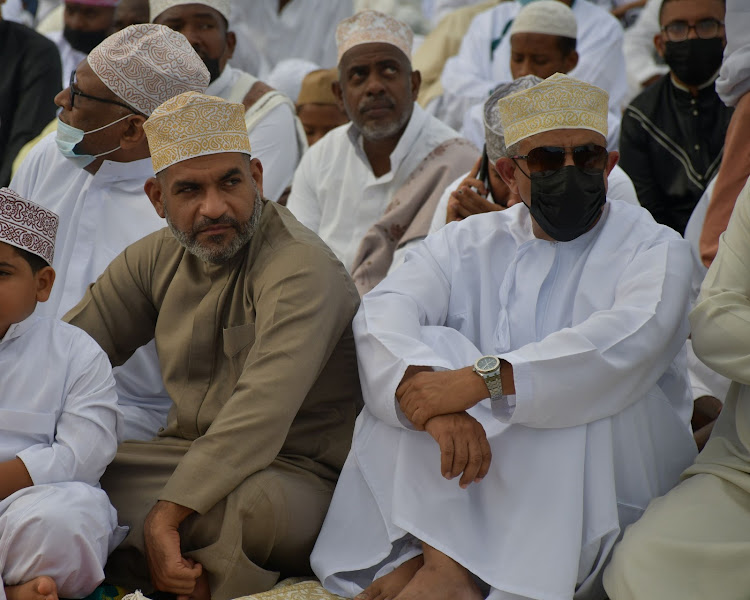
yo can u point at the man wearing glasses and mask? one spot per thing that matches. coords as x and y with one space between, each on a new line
672 137
524 382
91 173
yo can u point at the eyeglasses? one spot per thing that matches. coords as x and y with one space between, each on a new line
76 92
588 157
705 29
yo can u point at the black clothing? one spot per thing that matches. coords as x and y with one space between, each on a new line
30 76
671 146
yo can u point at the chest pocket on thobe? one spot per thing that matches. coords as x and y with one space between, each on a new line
237 343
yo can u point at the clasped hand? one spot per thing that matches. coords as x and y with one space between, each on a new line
436 403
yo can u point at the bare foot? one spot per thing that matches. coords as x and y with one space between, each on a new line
202 590
389 586
440 578
39 588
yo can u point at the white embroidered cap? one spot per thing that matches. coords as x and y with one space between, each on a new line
370 26
156 7
558 102
146 65
26 225
192 125
493 128
551 17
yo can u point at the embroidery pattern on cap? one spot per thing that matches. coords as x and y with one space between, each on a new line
26 225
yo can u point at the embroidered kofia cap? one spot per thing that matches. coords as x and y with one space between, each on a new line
192 125
493 129
26 225
145 65
551 17
370 26
94 2
316 87
156 7
558 102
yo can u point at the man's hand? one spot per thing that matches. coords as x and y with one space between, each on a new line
170 571
463 447
470 198
427 394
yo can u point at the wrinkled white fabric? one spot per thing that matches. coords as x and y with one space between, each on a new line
599 424
100 215
734 76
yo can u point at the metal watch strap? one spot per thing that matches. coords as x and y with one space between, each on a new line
495 386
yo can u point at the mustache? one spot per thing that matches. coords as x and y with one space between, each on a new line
206 222
379 102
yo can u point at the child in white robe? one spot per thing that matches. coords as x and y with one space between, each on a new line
58 426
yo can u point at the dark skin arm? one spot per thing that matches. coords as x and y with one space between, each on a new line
170 571
436 402
13 477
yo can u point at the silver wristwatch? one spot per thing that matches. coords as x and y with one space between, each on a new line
488 368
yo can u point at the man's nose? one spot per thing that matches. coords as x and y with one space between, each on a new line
569 157
213 205
524 69
374 85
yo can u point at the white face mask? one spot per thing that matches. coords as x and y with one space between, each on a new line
68 137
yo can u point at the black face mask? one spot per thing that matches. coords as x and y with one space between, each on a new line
694 61
84 41
567 202
212 64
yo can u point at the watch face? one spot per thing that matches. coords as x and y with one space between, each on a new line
487 364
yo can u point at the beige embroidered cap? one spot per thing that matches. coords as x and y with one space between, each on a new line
494 138
369 26
156 7
146 65
316 87
551 17
26 225
192 125
558 102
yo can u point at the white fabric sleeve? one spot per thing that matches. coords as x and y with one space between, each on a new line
638 45
441 210
396 326
87 430
473 125
303 200
274 141
622 351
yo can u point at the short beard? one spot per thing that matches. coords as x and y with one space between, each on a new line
379 130
219 255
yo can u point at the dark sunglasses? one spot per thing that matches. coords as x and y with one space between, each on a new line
76 92
589 157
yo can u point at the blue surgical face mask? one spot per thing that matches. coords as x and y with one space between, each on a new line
68 137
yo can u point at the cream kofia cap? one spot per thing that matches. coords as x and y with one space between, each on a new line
371 26
558 102
146 65
156 7
26 225
551 17
192 125
494 138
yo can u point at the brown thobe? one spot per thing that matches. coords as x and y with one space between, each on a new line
258 358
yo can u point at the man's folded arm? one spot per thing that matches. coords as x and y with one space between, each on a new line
300 318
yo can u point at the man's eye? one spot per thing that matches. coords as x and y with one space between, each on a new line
390 70
186 189
233 181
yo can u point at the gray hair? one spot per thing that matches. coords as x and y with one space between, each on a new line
493 128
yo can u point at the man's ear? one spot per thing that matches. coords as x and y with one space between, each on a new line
153 190
338 91
506 168
231 44
256 171
416 83
659 44
571 61
134 133
45 279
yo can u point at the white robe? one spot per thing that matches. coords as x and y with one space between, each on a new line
273 139
336 194
100 215
471 75
599 424
64 427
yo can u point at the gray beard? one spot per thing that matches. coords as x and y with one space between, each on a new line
219 255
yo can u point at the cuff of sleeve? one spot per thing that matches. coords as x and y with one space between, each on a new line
516 408
40 470
198 487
